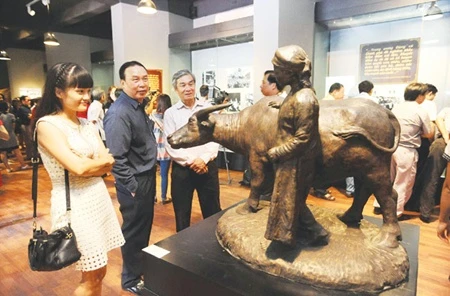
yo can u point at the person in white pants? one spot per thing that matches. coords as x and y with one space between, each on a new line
415 123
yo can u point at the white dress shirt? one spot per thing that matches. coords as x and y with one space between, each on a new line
176 117
96 114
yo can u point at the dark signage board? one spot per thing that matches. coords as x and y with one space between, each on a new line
390 62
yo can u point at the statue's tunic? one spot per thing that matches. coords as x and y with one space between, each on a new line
295 157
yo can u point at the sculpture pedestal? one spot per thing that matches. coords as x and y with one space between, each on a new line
198 265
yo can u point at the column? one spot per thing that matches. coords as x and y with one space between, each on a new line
279 23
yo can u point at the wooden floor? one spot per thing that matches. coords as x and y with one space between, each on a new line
16 278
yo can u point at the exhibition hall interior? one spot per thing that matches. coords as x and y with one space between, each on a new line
297 147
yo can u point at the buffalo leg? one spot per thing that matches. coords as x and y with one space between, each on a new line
257 184
390 231
354 214
386 196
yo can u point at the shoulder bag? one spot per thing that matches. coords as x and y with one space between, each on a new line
54 251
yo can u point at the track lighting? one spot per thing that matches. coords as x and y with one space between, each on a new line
4 56
30 11
146 7
50 39
433 12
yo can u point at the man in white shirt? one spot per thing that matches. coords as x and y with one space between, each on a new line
336 92
415 123
428 181
424 151
204 91
95 112
193 168
365 92
269 85
429 104
365 89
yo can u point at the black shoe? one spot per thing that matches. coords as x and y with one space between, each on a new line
349 194
136 289
403 217
166 201
244 183
425 219
324 194
377 211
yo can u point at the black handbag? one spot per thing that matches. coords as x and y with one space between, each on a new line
54 251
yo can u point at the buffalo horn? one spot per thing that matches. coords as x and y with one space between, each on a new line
206 111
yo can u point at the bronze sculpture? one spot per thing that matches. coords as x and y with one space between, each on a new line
357 138
294 156
306 144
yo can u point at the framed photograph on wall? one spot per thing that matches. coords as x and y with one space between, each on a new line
238 77
209 78
235 99
155 80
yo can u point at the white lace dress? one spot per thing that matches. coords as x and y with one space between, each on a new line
93 218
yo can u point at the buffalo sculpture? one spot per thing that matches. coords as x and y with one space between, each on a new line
357 138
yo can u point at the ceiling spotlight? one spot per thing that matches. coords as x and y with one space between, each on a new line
433 12
4 56
30 11
50 39
146 7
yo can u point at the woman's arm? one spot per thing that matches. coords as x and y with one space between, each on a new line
4 135
443 228
440 123
55 142
150 105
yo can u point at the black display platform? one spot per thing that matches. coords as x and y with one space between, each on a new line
197 265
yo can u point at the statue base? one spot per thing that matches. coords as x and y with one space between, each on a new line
192 262
349 262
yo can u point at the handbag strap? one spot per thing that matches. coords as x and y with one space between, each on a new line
34 185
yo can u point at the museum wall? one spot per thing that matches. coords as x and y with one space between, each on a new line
26 73
144 38
103 75
99 44
433 55
229 68
224 16
73 48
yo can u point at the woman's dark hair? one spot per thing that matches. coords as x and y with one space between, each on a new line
4 107
164 103
62 76
117 92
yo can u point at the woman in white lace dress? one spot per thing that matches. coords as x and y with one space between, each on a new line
68 142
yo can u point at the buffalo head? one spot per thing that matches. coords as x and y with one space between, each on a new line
198 131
